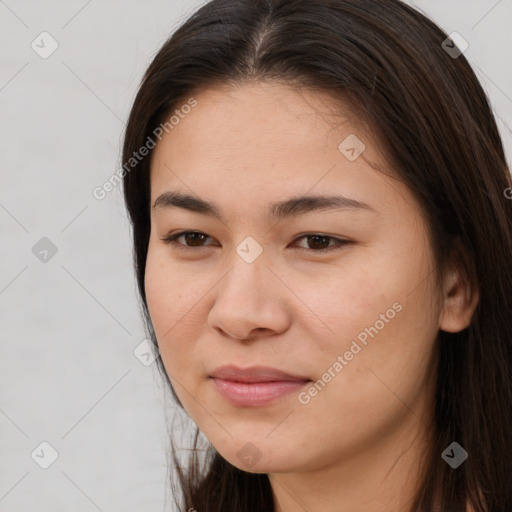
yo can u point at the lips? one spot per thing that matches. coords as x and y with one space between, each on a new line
255 386
255 374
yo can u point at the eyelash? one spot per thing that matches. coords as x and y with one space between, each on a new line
340 243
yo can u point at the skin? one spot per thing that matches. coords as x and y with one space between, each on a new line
358 444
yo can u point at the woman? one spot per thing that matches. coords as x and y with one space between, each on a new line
322 241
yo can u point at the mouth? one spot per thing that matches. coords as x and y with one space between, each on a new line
255 386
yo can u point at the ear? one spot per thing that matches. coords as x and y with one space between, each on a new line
460 293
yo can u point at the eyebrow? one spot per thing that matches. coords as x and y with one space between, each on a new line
288 208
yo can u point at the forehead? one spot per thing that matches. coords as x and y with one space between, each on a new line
265 142
255 115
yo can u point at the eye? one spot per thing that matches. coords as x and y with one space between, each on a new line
193 237
317 239
318 242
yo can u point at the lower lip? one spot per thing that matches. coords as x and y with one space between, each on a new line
252 394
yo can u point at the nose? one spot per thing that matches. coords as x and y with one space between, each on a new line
250 302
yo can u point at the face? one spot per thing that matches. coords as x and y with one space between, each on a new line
339 294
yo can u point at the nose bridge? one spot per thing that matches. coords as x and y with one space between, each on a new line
249 270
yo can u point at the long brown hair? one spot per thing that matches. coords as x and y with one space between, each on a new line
432 117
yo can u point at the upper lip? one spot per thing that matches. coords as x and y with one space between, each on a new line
254 374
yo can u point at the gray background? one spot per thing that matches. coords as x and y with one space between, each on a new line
69 325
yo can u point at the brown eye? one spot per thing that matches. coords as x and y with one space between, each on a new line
191 238
317 242
194 239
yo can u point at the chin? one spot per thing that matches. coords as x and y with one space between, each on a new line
263 467
260 457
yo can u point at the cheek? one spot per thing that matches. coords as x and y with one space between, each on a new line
159 289
347 300
164 299
170 291
382 319
177 306
172 296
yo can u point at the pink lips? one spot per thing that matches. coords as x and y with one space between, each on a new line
255 386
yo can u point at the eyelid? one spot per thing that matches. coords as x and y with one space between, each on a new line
339 242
